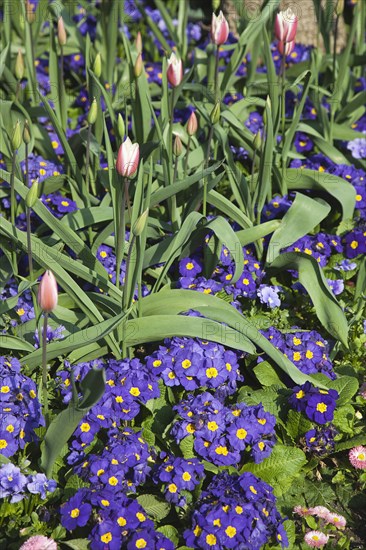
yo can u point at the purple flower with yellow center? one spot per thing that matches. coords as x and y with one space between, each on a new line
355 243
106 534
12 482
189 267
268 295
75 512
320 406
64 204
303 142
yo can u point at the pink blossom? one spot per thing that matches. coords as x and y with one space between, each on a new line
302 511
174 70
47 292
336 519
219 29
363 390
128 158
357 457
286 25
286 47
39 542
320 511
316 539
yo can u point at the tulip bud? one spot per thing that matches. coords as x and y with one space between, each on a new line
215 113
286 25
174 70
339 7
32 195
29 11
61 32
19 65
97 67
257 140
16 139
138 43
286 47
121 126
192 124
93 111
138 66
128 158
177 146
219 29
26 133
216 4
47 292
140 223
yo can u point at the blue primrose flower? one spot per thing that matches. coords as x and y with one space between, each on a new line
12 483
318 404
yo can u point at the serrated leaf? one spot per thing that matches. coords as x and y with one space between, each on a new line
279 469
170 532
346 386
77 544
350 443
186 446
155 507
297 424
318 493
266 374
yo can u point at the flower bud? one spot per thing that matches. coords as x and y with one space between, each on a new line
177 146
93 112
97 67
219 29
128 158
32 195
192 124
138 66
19 65
174 70
339 7
16 139
29 12
216 4
47 292
61 32
121 126
257 140
140 223
26 133
138 43
215 113
286 25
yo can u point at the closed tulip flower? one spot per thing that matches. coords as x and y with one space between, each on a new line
192 124
128 158
219 29
286 26
47 292
61 32
174 70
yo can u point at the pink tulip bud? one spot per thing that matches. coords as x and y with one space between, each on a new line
192 124
286 47
174 70
286 25
128 158
47 292
219 29
61 32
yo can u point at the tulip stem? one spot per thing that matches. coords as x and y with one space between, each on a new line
187 155
120 241
283 113
217 61
210 135
29 244
87 161
12 206
335 49
44 367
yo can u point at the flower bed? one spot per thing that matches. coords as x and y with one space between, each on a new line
183 278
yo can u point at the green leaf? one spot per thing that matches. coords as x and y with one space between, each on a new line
280 469
186 446
304 214
318 493
297 424
156 508
327 308
14 343
350 443
63 426
266 374
78 340
344 418
77 544
170 532
346 386
341 190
